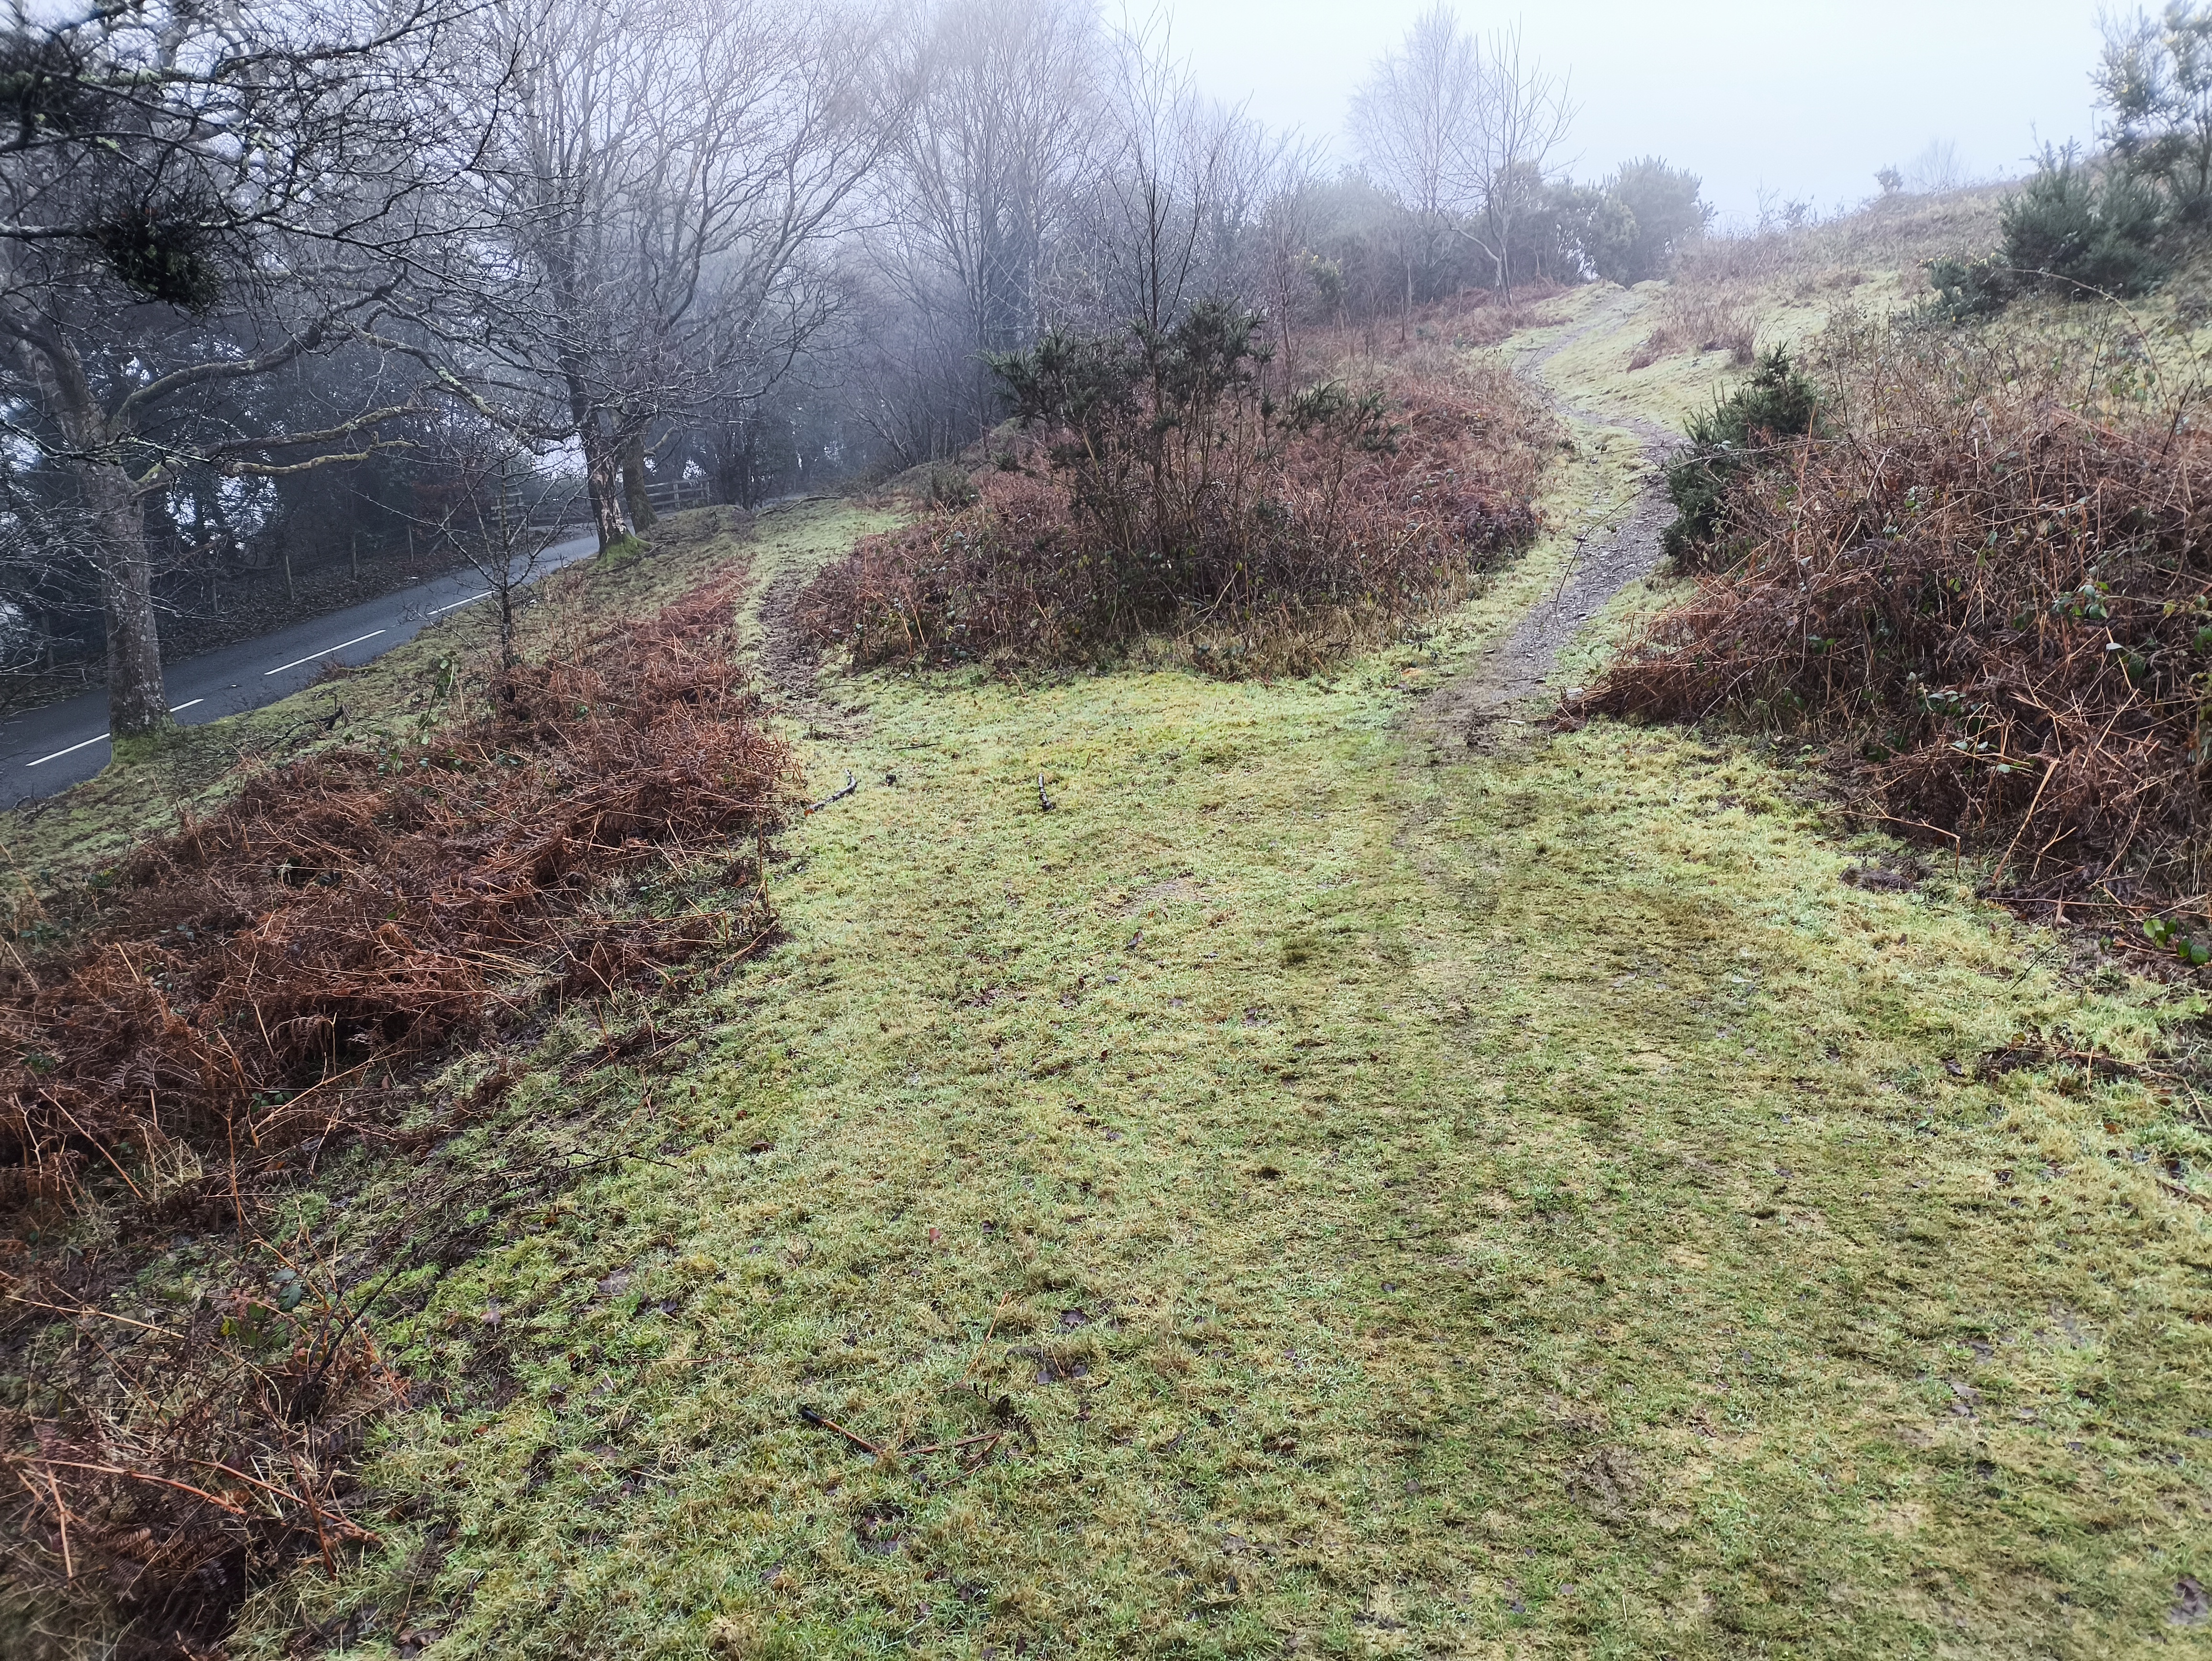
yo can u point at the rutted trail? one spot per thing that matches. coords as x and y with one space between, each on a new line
1622 548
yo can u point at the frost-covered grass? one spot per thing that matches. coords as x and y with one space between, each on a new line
1523 1203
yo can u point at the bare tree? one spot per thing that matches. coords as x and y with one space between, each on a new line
1288 277
1937 169
663 176
1523 116
1003 118
1170 217
497 516
1417 120
267 167
1466 133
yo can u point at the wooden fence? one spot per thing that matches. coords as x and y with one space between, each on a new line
561 507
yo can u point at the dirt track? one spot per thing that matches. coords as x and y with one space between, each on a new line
1505 682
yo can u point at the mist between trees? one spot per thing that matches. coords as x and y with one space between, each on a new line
293 287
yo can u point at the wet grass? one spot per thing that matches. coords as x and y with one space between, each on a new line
1364 1196
1519 1205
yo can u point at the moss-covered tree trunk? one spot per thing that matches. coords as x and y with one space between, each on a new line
633 476
137 706
137 703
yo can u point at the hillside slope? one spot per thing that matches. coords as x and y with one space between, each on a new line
1323 1185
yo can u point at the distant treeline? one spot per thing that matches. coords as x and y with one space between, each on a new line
306 286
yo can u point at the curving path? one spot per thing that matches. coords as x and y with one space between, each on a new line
1507 678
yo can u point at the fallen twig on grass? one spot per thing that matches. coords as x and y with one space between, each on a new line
828 1423
823 1421
946 1447
1043 800
2010 1058
851 785
1003 1299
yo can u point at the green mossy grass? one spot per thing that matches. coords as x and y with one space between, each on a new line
1527 1202
1384 1198
1522 1204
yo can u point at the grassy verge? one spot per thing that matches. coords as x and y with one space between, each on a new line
1309 1190
393 701
1521 1205
238 1347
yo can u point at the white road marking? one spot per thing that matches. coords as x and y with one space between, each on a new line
71 751
102 738
470 601
325 653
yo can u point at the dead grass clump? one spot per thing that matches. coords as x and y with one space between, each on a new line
1998 609
250 990
1286 544
1701 321
1478 318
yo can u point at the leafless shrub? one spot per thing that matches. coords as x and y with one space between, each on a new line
159 1468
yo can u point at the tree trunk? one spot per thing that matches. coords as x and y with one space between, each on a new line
137 706
602 473
633 477
602 465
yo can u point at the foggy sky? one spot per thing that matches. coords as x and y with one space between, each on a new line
1807 98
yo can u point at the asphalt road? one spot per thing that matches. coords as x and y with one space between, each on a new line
46 749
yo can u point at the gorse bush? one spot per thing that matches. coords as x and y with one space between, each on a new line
1161 487
1628 228
2117 227
2070 230
1164 437
1748 430
1665 210
2073 229
2154 80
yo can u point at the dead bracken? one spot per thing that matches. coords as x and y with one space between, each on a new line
1995 616
250 989
1281 542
